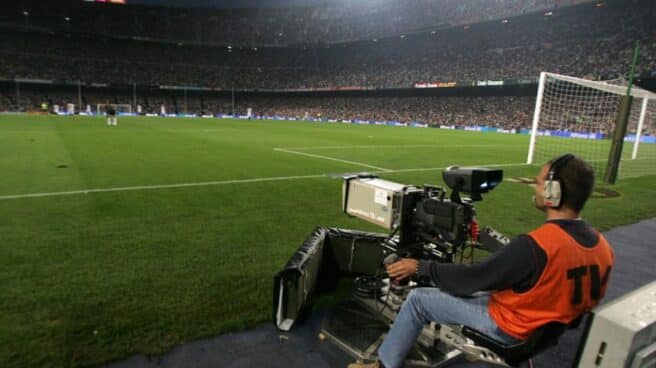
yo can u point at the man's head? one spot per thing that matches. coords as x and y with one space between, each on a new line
575 178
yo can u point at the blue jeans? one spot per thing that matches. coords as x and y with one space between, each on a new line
425 305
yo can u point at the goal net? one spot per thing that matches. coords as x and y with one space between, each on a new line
574 115
101 109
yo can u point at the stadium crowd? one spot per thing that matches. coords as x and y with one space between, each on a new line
585 41
499 111
507 112
276 24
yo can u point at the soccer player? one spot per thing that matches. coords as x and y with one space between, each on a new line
111 116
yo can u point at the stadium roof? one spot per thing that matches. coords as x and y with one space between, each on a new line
228 3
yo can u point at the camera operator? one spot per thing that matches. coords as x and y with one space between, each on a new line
556 272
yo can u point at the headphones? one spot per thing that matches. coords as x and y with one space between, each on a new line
553 191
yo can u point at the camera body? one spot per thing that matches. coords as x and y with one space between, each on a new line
421 220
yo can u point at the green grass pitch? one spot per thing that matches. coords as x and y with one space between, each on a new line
137 238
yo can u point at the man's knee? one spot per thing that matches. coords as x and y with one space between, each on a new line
416 301
423 294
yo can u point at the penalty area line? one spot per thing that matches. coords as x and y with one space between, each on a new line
330 159
377 146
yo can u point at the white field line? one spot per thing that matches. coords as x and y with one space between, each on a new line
162 186
329 158
180 130
391 146
216 183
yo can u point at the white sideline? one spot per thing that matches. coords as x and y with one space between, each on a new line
222 182
162 186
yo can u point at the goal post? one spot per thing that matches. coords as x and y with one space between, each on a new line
639 154
640 127
101 109
579 116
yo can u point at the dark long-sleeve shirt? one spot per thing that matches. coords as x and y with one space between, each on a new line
518 265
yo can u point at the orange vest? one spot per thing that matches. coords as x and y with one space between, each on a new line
572 282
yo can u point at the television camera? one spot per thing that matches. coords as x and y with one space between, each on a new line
423 222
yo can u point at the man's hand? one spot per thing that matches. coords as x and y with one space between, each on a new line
402 269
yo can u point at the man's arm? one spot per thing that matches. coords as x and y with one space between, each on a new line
518 265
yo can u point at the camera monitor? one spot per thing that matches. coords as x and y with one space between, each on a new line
472 180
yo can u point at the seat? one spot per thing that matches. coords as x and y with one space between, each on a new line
541 339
